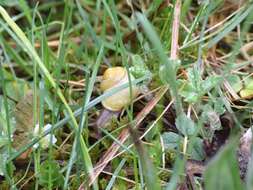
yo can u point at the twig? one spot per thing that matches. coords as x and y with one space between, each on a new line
175 30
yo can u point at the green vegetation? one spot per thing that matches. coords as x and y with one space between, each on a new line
192 65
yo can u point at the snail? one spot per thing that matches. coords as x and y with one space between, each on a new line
114 77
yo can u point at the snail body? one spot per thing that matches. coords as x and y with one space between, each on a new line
114 77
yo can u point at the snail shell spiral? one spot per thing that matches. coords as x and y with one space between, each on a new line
114 77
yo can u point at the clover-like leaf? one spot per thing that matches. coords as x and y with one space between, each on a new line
185 125
235 82
247 91
210 82
139 68
211 117
171 140
197 152
194 88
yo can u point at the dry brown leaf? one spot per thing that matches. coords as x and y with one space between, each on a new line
23 113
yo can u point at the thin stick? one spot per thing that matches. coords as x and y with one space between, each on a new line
175 30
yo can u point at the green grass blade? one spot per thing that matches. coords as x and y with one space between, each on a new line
230 26
112 181
26 10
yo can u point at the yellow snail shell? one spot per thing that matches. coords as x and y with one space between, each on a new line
114 77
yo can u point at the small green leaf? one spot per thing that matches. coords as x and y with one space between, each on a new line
152 133
245 93
211 117
139 68
189 92
219 106
190 96
248 90
210 83
165 70
194 78
198 151
235 82
50 173
171 140
248 83
16 89
185 125
194 88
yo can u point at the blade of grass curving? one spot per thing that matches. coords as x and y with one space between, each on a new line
195 22
230 26
71 161
89 89
32 53
197 68
112 181
87 24
88 92
76 147
90 86
141 174
149 171
11 33
106 136
136 170
117 141
17 58
243 33
35 95
26 10
185 9
229 20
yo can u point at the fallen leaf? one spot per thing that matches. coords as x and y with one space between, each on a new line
23 113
